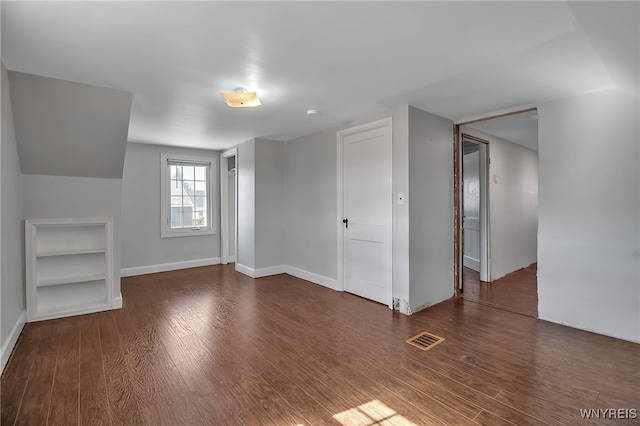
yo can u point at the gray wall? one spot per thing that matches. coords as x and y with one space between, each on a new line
245 167
589 214
269 203
310 203
231 209
12 286
513 205
64 197
142 245
430 208
69 129
261 186
310 200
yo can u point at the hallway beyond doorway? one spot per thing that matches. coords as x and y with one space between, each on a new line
516 292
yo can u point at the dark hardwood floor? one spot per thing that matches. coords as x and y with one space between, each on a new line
516 292
211 346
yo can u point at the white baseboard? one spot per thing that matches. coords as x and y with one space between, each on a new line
470 262
117 302
542 316
313 277
232 259
11 341
271 270
164 267
245 270
260 272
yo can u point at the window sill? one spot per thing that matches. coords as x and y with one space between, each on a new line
187 233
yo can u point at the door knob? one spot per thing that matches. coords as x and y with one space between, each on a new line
346 222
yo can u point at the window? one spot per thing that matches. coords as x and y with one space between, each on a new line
187 195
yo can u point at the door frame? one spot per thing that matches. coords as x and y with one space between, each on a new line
224 204
341 135
457 193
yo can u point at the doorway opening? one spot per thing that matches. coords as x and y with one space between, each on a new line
228 206
496 205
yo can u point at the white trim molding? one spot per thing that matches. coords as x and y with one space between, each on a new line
10 343
260 272
117 302
331 283
224 204
164 267
166 231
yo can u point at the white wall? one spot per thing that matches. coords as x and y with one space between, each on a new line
63 197
430 208
589 229
513 205
12 286
143 251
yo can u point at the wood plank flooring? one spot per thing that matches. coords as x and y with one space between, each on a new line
516 292
209 346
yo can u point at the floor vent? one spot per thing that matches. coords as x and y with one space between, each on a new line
425 341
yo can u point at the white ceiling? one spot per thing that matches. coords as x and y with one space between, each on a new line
459 60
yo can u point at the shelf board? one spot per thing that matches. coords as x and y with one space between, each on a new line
70 280
68 252
70 310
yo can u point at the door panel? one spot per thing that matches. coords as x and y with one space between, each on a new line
471 209
367 206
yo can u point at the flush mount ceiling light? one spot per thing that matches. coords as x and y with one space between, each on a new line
240 98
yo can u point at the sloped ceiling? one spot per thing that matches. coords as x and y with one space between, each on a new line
460 60
69 129
521 129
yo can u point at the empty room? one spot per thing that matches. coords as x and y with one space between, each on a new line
320 213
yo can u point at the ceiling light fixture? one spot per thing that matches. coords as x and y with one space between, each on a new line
313 112
240 98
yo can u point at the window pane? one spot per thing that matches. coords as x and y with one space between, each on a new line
200 218
187 218
176 188
188 194
175 172
200 203
201 173
187 172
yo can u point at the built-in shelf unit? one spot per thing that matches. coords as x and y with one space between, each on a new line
69 267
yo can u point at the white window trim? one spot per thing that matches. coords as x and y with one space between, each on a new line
165 228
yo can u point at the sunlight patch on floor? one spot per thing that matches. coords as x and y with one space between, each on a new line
371 413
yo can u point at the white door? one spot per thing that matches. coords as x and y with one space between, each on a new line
471 210
367 203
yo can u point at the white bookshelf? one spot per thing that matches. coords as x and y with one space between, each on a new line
69 267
